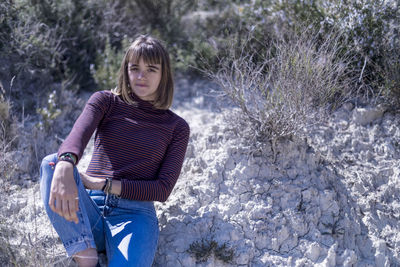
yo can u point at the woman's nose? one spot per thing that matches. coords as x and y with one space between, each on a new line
141 75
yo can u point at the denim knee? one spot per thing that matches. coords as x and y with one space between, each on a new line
46 175
47 165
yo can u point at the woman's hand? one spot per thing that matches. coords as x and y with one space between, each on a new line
98 183
64 192
92 182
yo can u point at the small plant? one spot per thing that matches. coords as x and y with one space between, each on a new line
203 249
224 253
48 114
8 138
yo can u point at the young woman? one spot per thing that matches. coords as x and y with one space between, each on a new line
138 154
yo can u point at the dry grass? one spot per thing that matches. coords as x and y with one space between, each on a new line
391 74
299 80
26 235
22 222
8 136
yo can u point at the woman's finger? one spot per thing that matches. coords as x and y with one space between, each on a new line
52 202
58 206
73 209
65 210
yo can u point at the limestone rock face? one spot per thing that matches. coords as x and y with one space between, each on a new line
330 199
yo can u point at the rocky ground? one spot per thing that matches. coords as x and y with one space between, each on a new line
330 198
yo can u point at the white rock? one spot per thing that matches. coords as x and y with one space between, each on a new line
347 259
381 260
243 258
348 106
313 252
364 116
330 260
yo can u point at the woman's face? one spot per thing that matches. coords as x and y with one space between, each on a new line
144 79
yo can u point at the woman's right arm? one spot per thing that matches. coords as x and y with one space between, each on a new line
94 111
63 192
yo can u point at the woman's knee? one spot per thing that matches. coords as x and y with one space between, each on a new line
50 157
47 165
46 173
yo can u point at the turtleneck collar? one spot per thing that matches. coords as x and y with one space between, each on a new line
145 105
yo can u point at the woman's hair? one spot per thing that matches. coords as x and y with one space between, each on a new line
152 52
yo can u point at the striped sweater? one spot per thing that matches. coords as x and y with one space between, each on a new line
141 146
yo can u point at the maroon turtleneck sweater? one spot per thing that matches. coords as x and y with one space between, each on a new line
141 146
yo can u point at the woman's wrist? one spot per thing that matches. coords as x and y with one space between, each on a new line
68 157
116 187
64 165
95 183
98 184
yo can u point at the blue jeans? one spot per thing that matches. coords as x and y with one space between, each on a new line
126 229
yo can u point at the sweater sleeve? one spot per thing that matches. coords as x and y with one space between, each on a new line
85 125
160 188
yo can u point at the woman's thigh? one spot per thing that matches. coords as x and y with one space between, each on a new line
131 234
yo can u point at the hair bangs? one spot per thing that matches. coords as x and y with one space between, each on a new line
148 52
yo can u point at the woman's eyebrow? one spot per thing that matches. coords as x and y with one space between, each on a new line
153 66
149 66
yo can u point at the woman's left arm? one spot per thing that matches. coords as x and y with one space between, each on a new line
95 183
160 188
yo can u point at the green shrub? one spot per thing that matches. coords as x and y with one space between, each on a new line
75 24
51 42
369 28
8 16
210 32
162 19
105 71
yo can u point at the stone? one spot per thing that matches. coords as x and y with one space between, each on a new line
364 116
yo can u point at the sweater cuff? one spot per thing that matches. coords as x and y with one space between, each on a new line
126 189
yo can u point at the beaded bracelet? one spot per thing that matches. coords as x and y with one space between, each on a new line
108 186
66 158
72 156
105 184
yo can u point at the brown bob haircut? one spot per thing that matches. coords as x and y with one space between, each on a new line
152 52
